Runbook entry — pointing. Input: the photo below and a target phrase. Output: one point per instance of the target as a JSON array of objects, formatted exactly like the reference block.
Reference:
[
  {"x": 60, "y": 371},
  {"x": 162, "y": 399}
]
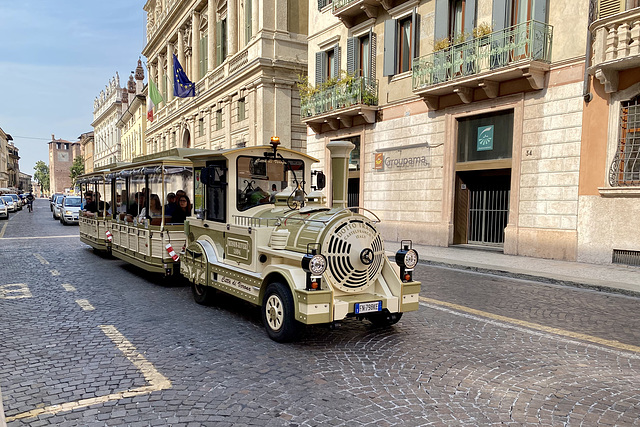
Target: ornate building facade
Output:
[
  {"x": 13, "y": 165},
  {"x": 107, "y": 109},
  {"x": 86, "y": 141},
  {"x": 244, "y": 57},
  {"x": 133, "y": 122},
  {"x": 4, "y": 156}
]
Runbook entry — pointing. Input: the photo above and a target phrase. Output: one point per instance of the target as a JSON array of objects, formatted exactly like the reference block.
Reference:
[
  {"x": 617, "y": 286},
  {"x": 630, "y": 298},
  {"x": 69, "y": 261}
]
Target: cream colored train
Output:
[{"x": 256, "y": 231}]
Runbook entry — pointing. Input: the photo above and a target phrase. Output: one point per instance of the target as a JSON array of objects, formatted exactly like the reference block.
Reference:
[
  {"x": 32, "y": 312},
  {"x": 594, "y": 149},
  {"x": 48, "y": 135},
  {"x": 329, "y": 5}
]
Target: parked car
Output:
[
  {"x": 52, "y": 200},
  {"x": 11, "y": 204},
  {"x": 70, "y": 210},
  {"x": 4, "y": 209},
  {"x": 57, "y": 206},
  {"x": 17, "y": 200}
]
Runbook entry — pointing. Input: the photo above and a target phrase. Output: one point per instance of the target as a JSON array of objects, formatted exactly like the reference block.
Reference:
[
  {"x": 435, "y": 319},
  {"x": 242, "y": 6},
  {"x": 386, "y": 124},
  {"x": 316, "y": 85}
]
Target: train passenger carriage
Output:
[
  {"x": 94, "y": 226},
  {"x": 257, "y": 233}
]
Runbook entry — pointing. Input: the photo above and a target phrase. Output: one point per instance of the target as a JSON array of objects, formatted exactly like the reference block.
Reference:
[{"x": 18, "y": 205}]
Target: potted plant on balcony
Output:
[{"x": 307, "y": 95}]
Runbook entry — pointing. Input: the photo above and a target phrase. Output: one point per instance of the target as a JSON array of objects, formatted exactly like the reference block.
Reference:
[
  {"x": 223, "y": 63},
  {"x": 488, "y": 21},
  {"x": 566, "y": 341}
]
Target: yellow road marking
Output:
[
  {"x": 156, "y": 380},
  {"x": 15, "y": 291},
  {"x": 55, "y": 272},
  {"x": 85, "y": 304},
  {"x": 575, "y": 335},
  {"x": 41, "y": 259},
  {"x": 69, "y": 288}
]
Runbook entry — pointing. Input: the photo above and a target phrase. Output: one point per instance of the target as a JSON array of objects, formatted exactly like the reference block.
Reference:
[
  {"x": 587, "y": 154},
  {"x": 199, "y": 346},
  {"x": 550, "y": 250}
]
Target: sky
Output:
[{"x": 55, "y": 58}]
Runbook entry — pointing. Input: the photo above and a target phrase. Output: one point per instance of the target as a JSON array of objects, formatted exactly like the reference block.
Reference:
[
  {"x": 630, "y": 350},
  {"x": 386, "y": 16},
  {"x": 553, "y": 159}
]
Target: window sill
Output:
[
  {"x": 619, "y": 191},
  {"x": 401, "y": 76}
]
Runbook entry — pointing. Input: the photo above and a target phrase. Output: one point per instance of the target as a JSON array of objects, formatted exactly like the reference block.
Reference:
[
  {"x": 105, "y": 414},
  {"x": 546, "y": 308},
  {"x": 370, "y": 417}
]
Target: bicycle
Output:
[{"x": 30, "y": 206}]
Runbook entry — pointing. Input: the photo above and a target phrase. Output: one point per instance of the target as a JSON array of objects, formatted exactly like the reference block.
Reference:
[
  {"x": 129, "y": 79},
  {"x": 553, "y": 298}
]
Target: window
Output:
[
  {"x": 201, "y": 127},
  {"x": 247, "y": 21},
  {"x": 485, "y": 137},
  {"x": 211, "y": 190},
  {"x": 323, "y": 3},
  {"x": 327, "y": 64},
  {"x": 219, "y": 119},
  {"x": 400, "y": 43},
  {"x": 204, "y": 54},
  {"x": 221, "y": 41},
  {"x": 241, "y": 109},
  {"x": 361, "y": 55},
  {"x": 625, "y": 168}
]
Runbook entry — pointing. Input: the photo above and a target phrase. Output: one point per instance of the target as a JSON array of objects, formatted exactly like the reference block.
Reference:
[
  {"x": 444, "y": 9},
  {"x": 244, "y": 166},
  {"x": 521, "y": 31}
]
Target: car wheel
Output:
[
  {"x": 202, "y": 294},
  {"x": 278, "y": 313},
  {"x": 384, "y": 319}
]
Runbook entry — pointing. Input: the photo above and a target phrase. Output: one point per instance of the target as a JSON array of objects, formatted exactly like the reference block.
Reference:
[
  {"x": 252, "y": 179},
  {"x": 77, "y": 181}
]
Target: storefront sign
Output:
[
  {"x": 409, "y": 157},
  {"x": 485, "y": 138}
]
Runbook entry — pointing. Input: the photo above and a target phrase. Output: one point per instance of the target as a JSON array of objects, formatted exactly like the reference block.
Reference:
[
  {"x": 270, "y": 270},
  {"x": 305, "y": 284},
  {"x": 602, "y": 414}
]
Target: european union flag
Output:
[{"x": 182, "y": 86}]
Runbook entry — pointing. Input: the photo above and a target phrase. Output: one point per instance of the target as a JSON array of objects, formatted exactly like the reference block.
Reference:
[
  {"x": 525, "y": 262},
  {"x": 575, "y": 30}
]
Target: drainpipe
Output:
[{"x": 593, "y": 9}]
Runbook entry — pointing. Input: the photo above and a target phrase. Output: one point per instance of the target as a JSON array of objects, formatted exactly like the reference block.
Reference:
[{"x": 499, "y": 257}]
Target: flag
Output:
[
  {"x": 153, "y": 99},
  {"x": 182, "y": 86}
]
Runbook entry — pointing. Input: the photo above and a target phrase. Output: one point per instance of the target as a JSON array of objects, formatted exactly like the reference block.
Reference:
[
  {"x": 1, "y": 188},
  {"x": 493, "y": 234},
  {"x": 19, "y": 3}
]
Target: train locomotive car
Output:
[{"x": 257, "y": 234}]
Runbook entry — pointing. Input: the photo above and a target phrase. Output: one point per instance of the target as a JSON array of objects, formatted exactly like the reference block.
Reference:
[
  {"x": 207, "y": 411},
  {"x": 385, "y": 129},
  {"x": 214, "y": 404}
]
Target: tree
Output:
[
  {"x": 42, "y": 175},
  {"x": 77, "y": 169}
]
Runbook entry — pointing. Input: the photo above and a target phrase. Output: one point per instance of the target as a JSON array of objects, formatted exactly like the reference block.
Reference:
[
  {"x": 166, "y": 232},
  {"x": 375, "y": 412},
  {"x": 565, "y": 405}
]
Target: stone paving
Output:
[{"x": 215, "y": 366}]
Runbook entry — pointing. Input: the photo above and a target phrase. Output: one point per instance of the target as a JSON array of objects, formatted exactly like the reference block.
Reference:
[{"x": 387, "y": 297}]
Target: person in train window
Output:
[
  {"x": 171, "y": 204},
  {"x": 183, "y": 210}
]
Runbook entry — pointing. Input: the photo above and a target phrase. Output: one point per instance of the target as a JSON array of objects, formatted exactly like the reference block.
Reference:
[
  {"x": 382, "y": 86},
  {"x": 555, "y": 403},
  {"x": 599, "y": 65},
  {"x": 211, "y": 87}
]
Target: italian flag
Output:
[{"x": 153, "y": 99}]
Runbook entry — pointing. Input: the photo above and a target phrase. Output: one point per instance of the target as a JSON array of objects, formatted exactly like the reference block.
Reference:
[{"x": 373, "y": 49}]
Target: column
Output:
[
  {"x": 195, "y": 46},
  {"x": 181, "y": 47},
  {"x": 169, "y": 72},
  {"x": 161, "y": 83},
  {"x": 232, "y": 26},
  {"x": 255, "y": 16},
  {"x": 211, "y": 28}
]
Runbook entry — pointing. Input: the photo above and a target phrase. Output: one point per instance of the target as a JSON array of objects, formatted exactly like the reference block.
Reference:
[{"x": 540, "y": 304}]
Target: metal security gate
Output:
[{"x": 488, "y": 215}]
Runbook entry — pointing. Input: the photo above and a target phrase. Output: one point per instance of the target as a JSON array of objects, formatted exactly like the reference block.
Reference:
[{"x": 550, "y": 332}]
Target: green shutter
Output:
[
  {"x": 372, "y": 57},
  {"x": 441, "y": 24},
  {"x": 219, "y": 43},
  {"x": 390, "y": 55},
  {"x": 499, "y": 17},
  {"x": 469, "y": 16},
  {"x": 540, "y": 10},
  {"x": 336, "y": 62},
  {"x": 320, "y": 64},
  {"x": 352, "y": 55},
  {"x": 247, "y": 20}
]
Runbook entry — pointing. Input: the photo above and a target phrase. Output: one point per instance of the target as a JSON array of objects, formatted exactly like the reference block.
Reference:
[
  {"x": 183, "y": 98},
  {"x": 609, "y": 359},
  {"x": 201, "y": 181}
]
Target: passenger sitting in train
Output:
[
  {"x": 183, "y": 211},
  {"x": 135, "y": 208},
  {"x": 171, "y": 204},
  {"x": 155, "y": 207},
  {"x": 90, "y": 206}
]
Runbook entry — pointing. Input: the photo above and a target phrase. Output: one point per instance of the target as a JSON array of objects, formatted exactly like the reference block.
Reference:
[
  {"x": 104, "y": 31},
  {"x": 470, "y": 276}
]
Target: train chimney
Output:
[{"x": 339, "y": 171}]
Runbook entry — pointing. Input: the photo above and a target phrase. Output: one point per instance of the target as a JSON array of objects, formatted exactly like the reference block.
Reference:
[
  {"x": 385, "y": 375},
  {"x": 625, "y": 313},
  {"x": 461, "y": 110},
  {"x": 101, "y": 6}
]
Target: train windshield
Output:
[{"x": 260, "y": 179}]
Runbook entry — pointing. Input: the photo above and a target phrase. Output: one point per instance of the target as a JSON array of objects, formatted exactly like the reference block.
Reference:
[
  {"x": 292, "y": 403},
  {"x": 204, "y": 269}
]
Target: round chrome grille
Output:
[{"x": 354, "y": 252}]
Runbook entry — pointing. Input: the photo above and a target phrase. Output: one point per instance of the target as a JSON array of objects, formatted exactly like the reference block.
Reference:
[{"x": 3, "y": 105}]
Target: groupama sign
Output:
[{"x": 417, "y": 156}]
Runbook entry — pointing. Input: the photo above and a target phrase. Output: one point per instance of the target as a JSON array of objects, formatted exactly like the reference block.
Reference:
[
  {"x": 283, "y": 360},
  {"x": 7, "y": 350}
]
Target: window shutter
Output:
[
  {"x": 321, "y": 4},
  {"x": 441, "y": 29},
  {"x": 390, "y": 35},
  {"x": 415, "y": 33},
  {"x": 540, "y": 8},
  {"x": 469, "y": 16},
  {"x": 609, "y": 7},
  {"x": 319, "y": 67},
  {"x": 218, "y": 43},
  {"x": 247, "y": 20},
  {"x": 336, "y": 63},
  {"x": 499, "y": 17},
  {"x": 372, "y": 45},
  {"x": 352, "y": 55}
]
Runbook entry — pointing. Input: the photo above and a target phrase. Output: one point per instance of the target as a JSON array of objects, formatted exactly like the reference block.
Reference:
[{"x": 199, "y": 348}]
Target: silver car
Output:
[
  {"x": 11, "y": 204},
  {"x": 16, "y": 199},
  {"x": 70, "y": 210},
  {"x": 4, "y": 209},
  {"x": 57, "y": 206}
]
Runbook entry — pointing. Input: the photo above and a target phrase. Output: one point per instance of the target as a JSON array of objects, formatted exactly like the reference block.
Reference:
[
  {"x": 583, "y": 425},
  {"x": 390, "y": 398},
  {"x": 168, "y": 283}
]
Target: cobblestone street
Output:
[{"x": 90, "y": 341}]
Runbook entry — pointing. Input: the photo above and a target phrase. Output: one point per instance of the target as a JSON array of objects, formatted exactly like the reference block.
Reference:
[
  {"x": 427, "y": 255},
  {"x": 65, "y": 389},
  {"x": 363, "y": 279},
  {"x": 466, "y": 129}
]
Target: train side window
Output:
[{"x": 214, "y": 178}]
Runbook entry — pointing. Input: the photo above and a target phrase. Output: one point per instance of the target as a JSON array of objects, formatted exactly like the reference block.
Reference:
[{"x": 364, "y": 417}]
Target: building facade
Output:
[
  {"x": 4, "y": 156},
  {"x": 244, "y": 56},
  {"x": 133, "y": 122},
  {"x": 608, "y": 204},
  {"x": 86, "y": 141},
  {"x": 24, "y": 183},
  {"x": 61, "y": 155},
  {"x": 13, "y": 166},
  {"x": 107, "y": 109},
  {"x": 466, "y": 116}
]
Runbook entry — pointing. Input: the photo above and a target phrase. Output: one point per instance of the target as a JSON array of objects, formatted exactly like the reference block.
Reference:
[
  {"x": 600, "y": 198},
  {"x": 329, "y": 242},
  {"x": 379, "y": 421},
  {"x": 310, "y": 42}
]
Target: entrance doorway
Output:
[
  {"x": 353, "y": 178},
  {"x": 482, "y": 207}
]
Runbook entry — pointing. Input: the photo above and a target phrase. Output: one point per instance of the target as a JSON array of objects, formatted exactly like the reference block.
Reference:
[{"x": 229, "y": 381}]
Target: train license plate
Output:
[{"x": 368, "y": 307}]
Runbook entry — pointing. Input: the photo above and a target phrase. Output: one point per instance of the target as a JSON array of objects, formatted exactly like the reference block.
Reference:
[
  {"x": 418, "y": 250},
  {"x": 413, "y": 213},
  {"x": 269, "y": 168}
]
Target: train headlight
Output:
[
  {"x": 407, "y": 259},
  {"x": 314, "y": 264}
]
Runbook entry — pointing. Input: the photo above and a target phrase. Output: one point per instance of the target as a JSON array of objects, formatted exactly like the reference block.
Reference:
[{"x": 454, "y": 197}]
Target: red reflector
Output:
[
  {"x": 314, "y": 285},
  {"x": 407, "y": 277}
]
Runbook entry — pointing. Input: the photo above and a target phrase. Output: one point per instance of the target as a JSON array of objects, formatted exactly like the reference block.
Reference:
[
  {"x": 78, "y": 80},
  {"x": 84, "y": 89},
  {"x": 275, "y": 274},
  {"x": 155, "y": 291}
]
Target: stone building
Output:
[
  {"x": 13, "y": 166},
  {"x": 61, "y": 155},
  {"x": 24, "y": 183},
  {"x": 244, "y": 57},
  {"x": 86, "y": 141},
  {"x": 4, "y": 156},
  {"x": 609, "y": 187},
  {"x": 466, "y": 116},
  {"x": 107, "y": 109},
  {"x": 133, "y": 122}
]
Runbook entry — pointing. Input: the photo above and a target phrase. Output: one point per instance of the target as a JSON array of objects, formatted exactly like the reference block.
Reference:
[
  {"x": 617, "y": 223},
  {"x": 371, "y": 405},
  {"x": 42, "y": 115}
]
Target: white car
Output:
[
  {"x": 70, "y": 210},
  {"x": 16, "y": 199},
  {"x": 57, "y": 206},
  {"x": 11, "y": 204},
  {"x": 4, "y": 210}
]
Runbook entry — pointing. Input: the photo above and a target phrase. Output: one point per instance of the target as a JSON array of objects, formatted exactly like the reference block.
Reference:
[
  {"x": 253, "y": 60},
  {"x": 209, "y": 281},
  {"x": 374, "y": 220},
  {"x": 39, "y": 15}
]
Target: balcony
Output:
[
  {"x": 349, "y": 102},
  {"x": 349, "y": 10},
  {"x": 616, "y": 47},
  {"x": 520, "y": 51}
]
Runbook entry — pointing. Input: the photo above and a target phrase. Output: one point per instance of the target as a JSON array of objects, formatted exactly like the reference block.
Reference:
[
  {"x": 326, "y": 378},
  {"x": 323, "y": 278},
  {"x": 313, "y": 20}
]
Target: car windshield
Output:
[
  {"x": 59, "y": 199},
  {"x": 7, "y": 199},
  {"x": 14, "y": 196},
  {"x": 72, "y": 202}
]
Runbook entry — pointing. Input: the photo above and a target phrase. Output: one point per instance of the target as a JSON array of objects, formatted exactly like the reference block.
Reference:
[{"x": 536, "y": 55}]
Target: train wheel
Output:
[
  {"x": 385, "y": 319},
  {"x": 202, "y": 294},
  {"x": 278, "y": 313}
]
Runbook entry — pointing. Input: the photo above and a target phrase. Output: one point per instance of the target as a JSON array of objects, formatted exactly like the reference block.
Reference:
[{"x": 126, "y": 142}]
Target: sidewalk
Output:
[{"x": 608, "y": 278}]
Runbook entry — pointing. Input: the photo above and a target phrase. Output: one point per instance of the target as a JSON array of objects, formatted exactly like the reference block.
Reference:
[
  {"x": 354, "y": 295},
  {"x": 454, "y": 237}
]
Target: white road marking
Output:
[
  {"x": 85, "y": 304},
  {"x": 41, "y": 259},
  {"x": 15, "y": 291},
  {"x": 69, "y": 288}
]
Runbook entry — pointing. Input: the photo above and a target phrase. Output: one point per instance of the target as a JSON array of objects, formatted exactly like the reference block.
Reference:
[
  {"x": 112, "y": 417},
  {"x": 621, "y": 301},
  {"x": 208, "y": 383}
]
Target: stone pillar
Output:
[
  {"x": 195, "y": 46},
  {"x": 232, "y": 26},
  {"x": 181, "y": 47},
  {"x": 211, "y": 28},
  {"x": 169, "y": 72},
  {"x": 255, "y": 17},
  {"x": 282, "y": 111}
]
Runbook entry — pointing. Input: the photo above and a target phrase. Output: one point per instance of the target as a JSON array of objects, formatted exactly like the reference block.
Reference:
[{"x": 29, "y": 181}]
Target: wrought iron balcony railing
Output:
[
  {"x": 344, "y": 94},
  {"x": 337, "y": 4},
  {"x": 529, "y": 41}
]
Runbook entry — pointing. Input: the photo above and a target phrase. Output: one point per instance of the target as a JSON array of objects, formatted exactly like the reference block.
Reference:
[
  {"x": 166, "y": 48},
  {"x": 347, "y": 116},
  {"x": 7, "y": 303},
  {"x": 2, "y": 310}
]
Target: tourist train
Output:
[{"x": 246, "y": 221}]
